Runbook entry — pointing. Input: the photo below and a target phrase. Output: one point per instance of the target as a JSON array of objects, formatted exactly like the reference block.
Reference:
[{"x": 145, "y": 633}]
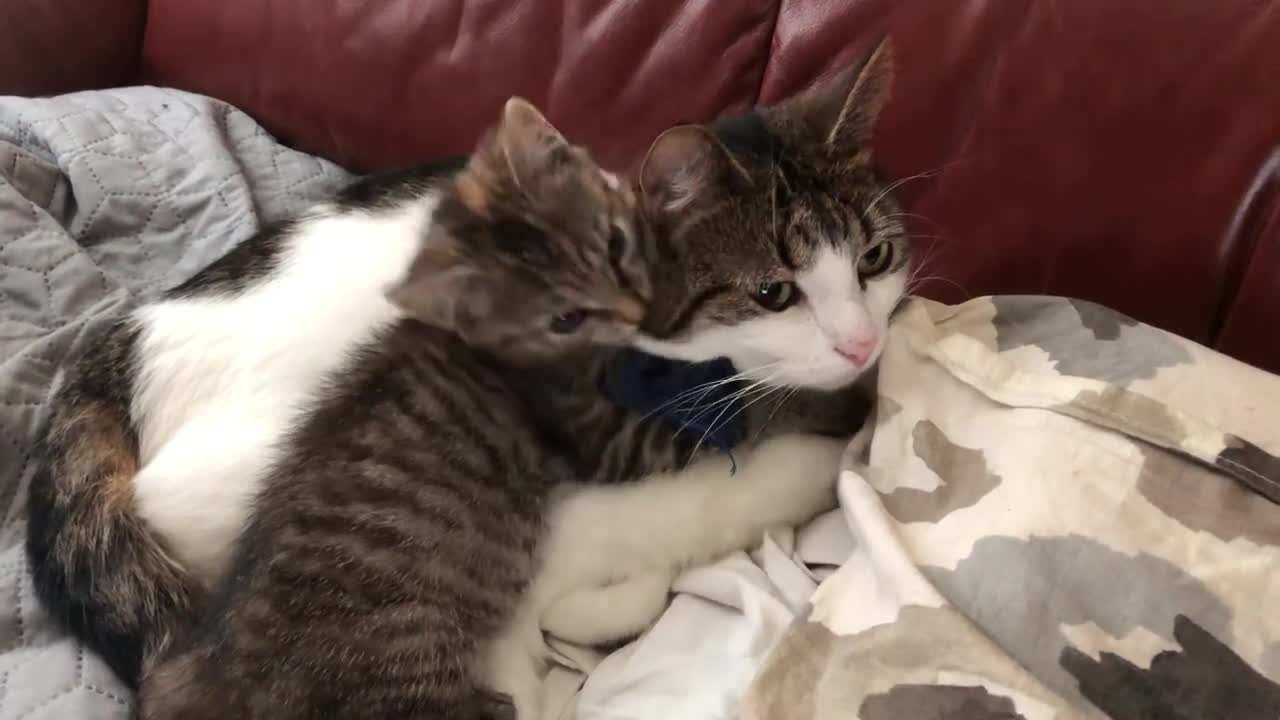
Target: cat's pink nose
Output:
[{"x": 857, "y": 349}]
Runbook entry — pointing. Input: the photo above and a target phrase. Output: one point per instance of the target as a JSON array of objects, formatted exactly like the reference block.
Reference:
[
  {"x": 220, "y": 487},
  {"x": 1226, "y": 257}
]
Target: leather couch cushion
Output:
[
  {"x": 56, "y": 46},
  {"x": 382, "y": 84},
  {"x": 1090, "y": 148}
]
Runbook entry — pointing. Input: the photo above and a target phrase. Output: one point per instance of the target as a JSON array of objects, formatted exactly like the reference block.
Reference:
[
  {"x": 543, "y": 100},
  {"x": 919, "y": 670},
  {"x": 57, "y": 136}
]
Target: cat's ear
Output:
[
  {"x": 532, "y": 147},
  {"x": 685, "y": 165},
  {"x": 442, "y": 287},
  {"x": 842, "y": 110},
  {"x": 523, "y": 150}
]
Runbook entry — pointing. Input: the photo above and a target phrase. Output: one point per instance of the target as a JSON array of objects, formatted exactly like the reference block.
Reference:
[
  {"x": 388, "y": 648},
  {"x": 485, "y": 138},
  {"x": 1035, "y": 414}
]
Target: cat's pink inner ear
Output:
[
  {"x": 531, "y": 145},
  {"x": 843, "y": 109},
  {"x": 683, "y": 164}
]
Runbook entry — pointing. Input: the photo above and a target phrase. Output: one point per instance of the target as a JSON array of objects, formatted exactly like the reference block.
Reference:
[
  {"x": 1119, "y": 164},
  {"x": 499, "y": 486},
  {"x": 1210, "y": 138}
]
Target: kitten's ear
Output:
[
  {"x": 843, "y": 109},
  {"x": 531, "y": 145},
  {"x": 523, "y": 149},
  {"x": 440, "y": 285},
  {"x": 684, "y": 165}
]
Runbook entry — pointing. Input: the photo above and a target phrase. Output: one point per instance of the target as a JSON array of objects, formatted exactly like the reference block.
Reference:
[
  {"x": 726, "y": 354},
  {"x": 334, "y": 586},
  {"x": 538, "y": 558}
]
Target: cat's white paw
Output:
[
  {"x": 785, "y": 481},
  {"x": 608, "y": 613},
  {"x": 515, "y": 664}
]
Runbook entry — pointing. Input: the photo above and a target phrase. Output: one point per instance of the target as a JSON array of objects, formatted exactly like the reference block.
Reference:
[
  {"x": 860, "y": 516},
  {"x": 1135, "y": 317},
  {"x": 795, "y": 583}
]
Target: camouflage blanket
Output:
[{"x": 1063, "y": 514}]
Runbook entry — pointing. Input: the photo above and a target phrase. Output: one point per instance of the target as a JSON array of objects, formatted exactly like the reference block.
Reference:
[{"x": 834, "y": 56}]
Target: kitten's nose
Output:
[{"x": 857, "y": 348}]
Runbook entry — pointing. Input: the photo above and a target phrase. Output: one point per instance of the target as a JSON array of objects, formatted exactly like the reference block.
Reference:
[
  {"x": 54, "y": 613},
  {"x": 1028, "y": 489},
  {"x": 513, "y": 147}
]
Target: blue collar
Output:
[{"x": 651, "y": 385}]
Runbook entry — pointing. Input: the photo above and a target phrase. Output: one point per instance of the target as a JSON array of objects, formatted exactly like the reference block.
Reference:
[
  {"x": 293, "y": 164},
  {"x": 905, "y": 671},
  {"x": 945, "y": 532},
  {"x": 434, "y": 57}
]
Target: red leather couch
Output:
[{"x": 1124, "y": 151}]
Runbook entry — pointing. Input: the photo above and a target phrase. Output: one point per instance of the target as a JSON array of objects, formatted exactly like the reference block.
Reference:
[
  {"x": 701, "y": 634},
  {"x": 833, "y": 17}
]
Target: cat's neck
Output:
[{"x": 561, "y": 399}]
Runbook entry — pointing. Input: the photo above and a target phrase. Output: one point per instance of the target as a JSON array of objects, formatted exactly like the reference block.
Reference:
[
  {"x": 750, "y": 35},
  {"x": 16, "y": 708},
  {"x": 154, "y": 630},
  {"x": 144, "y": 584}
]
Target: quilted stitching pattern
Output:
[{"x": 105, "y": 197}]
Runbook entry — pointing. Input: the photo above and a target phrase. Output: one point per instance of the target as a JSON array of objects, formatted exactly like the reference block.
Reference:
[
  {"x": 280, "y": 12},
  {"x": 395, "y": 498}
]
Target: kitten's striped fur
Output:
[{"x": 395, "y": 533}]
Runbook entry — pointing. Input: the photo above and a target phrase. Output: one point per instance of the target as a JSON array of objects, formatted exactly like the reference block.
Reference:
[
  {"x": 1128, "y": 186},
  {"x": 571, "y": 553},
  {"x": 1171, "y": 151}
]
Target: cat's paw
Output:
[
  {"x": 609, "y": 613},
  {"x": 514, "y": 666}
]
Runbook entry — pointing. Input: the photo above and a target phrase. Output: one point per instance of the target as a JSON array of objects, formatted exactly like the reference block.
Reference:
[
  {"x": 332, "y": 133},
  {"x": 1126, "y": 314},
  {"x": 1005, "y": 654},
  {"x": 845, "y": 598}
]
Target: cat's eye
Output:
[
  {"x": 568, "y": 322},
  {"x": 875, "y": 260},
  {"x": 777, "y": 296}
]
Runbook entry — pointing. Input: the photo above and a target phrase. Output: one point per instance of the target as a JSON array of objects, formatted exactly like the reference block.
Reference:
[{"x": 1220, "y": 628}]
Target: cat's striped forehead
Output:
[
  {"x": 813, "y": 199},
  {"x": 801, "y": 204},
  {"x": 561, "y": 238},
  {"x": 557, "y": 219}
]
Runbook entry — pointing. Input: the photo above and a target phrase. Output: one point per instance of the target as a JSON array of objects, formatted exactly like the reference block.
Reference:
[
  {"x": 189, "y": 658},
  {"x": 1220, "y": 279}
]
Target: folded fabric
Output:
[{"x": 1065, "y": 513}]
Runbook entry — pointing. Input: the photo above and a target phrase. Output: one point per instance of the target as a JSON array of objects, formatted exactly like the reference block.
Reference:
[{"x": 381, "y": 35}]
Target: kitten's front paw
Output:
[{"x": 610, "y": 613}]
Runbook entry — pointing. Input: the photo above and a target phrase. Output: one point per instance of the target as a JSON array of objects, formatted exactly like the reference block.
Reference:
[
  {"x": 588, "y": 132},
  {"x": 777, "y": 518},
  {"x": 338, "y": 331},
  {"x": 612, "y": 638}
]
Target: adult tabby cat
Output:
[{"x": 790, "y": 258}]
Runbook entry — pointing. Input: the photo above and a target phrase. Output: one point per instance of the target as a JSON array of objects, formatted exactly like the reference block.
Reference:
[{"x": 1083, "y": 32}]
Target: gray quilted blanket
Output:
[{"x": 105, "y": 198}]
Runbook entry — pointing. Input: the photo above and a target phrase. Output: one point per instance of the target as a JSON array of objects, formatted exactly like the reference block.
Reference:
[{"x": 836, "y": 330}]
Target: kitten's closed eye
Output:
[
  {"x": 875, "y": 260},
  {"x": 568, "y": 322}
]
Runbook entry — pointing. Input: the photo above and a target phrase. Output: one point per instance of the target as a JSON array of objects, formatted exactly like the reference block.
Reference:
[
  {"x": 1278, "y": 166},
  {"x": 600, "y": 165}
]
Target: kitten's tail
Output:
[{"x": 98, "y": 567}]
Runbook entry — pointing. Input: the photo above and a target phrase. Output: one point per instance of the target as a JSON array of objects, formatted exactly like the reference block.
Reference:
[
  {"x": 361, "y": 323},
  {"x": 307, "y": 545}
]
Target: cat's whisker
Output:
[
  {"x": 773, "y": 207},
  {"x": 772, "y": 389},
  {"x": 778, "y": 406},
  {"x": 700, "y": 411},
  {"x": 917, "y": 277},
  {"x": 902, "y": 181},
  {"x": 687, "y": 404},
  {"x": 727, "y": 402},
  {"x": 736, "y": 377},
  {"x": 927, "y": 174},
  {"x": 681, "y": 400},
  {"x": 930, "y": 254},
  {"x": 766, "y": 384},
  {"x": 917, "y": 216},
  {"x": 686, "y": 399},
  {"x": 916, "y": 281}
]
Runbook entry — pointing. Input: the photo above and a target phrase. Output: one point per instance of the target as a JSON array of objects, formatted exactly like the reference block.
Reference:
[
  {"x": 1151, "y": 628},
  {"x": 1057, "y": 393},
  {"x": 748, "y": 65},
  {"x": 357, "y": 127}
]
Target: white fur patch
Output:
[
  {"x": 610, "y": 552},
  {"x": 797, "y": 346},
  {"x": 222, "y": 378}
]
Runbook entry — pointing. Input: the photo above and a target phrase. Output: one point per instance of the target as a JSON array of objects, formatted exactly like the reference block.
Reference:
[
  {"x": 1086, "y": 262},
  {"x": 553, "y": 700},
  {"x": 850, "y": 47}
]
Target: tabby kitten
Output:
[
  {"x": 159, "y": 436},
  {"x": 395, "y": 532}
]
